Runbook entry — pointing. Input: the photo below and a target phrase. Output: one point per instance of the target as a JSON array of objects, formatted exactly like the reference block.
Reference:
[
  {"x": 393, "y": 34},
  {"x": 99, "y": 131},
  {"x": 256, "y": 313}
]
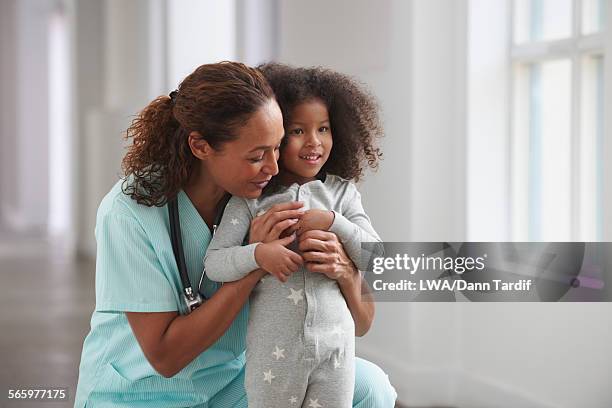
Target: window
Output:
[{"x": 557, "y": 56}]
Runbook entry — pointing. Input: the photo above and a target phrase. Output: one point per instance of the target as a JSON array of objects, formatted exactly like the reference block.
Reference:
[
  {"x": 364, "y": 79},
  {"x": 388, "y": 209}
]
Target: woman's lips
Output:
[{"x": 261, "y": 184}]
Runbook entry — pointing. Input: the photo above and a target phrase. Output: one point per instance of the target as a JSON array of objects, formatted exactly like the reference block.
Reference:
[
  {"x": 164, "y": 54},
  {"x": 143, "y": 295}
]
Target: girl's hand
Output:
[
  {"x": 313, "y": 220},
  {"x": 278, "y": 260},
  {"x": 323, "y": 253},
  {"x": 269, "y": 226}
]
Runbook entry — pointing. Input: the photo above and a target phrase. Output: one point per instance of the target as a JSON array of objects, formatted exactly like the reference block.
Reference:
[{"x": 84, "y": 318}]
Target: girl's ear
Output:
[{"x": 199, "y": 147}]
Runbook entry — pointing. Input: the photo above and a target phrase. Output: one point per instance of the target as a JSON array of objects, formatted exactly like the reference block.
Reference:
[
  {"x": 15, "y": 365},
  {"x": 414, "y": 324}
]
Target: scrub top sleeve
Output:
[
  {"x": 226, "y": 260},
  {"x": 353, "y": 226},
  {"x": 129, "y": 276}
]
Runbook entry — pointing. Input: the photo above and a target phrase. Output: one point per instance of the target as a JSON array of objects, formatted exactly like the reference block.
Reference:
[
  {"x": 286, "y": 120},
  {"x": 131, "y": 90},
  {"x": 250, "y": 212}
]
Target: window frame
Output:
[{"x": 574, "y": 48}]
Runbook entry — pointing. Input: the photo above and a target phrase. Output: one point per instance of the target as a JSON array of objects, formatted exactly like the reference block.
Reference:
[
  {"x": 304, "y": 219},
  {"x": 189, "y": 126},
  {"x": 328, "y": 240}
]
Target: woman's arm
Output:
[
  {"x": 170, "y": 342},
  {"x": 323, "y": 253},
  {"x": 358, "y": 299}
]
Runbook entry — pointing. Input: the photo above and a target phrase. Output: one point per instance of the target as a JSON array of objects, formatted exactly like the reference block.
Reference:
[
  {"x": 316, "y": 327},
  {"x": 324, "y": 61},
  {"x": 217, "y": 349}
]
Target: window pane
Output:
[
  {"x": 541, "y": 20},
  {"x": 550, "y": 158},
  {"x": 542, "y": 151},
  {"x": 520, "y": 153},
  {"x": 591, "y": 147},
  {"x": 593, "y": 16}
]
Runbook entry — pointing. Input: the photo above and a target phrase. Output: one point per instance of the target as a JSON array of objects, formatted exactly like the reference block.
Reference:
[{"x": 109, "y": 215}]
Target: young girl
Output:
[{"x": 300, "y": 338}]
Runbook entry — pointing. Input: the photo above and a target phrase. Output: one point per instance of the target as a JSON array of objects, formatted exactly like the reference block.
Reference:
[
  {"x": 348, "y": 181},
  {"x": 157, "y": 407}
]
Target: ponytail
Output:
[{"x": 159, "y": 159}]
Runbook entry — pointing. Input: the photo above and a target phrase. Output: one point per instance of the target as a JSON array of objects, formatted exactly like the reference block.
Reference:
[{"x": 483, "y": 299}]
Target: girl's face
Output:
[
  {"x": 244, "y": 166},
  {"x": 308, "y": 142}
]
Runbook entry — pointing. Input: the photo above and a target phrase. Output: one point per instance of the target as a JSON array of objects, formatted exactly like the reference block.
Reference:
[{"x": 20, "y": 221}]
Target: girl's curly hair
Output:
[
  {"x": 214, "y": 101},
  {"x": 353, "y": 113}
]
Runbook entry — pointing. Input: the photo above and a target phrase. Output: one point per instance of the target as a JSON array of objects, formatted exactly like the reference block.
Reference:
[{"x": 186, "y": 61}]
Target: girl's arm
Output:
[
  {"x": 226, "y": 260},
  {"x": 353, "y": 227}
]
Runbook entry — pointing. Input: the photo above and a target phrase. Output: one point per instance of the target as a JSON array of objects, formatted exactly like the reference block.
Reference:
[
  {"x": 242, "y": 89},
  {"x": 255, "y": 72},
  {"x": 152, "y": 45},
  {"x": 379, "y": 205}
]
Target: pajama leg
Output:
[
  {"x": 332, "y": 383},
  {"x": 277, "y": 365}
]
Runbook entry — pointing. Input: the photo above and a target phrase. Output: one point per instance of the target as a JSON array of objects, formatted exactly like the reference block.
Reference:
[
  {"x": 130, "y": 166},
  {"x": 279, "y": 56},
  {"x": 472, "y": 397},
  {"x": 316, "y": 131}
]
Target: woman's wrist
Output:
[{"x": 350, "y": 277}]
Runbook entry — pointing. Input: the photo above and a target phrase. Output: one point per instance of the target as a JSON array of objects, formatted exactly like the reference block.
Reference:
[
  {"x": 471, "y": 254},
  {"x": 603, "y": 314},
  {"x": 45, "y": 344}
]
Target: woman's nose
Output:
[{"x": 271, "y": 165}]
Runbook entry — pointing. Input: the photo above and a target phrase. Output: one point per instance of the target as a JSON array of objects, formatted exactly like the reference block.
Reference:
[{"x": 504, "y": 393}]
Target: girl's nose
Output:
[{"x": 313, "y": 140}]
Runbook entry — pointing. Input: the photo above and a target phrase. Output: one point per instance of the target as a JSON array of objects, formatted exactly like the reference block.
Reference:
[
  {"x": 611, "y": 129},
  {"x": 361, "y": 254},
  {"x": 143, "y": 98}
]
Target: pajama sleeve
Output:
[
  {"x": 352, "y": 226},
  {"x": 226, "y": 260}
]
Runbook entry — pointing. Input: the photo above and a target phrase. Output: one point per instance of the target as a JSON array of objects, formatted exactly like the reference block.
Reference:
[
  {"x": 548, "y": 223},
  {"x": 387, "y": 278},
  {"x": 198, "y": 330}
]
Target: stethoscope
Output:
[{"x": 192, "y": 298}]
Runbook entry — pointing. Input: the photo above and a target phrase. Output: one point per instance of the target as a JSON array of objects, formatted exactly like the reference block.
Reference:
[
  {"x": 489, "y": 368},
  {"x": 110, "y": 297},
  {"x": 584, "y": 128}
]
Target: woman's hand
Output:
[
  {"x": 323, "y": 253},
  {"x": 269, "y": 226}
]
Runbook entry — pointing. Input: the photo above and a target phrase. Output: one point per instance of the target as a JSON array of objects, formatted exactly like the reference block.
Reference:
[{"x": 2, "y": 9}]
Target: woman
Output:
[{"x": 218, "y": 133}]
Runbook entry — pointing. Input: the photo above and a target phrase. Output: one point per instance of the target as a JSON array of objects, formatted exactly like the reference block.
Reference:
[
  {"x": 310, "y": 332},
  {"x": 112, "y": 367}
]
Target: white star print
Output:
[
  {"x": 314, "y": 403},
  {"x": 234, "y": 221},
  {"x": 293, "y": 400},
  {"x": 337, "y": 330},
  {"x": 268, "y": 376},
  {"x": 336, "y": 362},
  {"x": 262, "y": 280},
  {"x": 296, "y": 295},
  {"x": 278, "y": 353}
]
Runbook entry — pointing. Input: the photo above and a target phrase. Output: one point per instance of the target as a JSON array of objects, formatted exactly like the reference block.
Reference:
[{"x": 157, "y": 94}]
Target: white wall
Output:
[
  {"x": 24, "y": 136},
  {"x": 8, "y": 111},
  {"x": 607, "y": 188},
  {"x": 487, "y": 121},
  {"x": 443, "y": 92}
]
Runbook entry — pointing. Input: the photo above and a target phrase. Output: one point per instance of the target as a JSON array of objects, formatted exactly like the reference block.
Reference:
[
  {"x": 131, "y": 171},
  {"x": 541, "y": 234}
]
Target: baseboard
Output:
[{"x": 420, "y": 386}]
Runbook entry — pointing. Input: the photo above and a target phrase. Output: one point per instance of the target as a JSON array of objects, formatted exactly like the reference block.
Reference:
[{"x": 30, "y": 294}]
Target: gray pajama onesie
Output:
[{"x": 301, "y": 335}]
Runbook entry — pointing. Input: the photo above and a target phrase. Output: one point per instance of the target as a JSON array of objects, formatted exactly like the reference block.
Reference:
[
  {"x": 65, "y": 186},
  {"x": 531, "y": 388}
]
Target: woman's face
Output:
[
  {"x": 244, "y": 166},
  {"x": 309, "y": 141}
]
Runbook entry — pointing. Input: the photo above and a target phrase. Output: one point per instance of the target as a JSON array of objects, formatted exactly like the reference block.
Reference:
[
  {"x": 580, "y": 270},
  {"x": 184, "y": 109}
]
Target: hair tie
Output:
[{"x": 172, "y": 96}]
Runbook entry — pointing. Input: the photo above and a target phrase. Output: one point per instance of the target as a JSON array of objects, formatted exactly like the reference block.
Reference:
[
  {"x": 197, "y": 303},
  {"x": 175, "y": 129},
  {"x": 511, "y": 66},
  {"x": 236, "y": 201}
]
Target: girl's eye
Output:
[
  {"x": 297, "y": 131},
  {"x": 323, "y": 129}
]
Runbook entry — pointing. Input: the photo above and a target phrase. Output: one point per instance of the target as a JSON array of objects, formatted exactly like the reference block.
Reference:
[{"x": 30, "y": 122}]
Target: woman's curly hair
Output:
[
  {"x": 214, "y": 101},
  {"x": 353, "y": 113}
]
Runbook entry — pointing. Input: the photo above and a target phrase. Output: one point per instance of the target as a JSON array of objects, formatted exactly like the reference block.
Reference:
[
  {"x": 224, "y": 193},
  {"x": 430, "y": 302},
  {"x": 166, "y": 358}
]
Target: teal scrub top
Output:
[{"x": 136, "y": 272}]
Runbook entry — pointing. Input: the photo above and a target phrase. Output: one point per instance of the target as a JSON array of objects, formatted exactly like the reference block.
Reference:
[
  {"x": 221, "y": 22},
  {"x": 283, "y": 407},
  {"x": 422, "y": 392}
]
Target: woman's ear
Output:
[{"x": 199, "y": 147}]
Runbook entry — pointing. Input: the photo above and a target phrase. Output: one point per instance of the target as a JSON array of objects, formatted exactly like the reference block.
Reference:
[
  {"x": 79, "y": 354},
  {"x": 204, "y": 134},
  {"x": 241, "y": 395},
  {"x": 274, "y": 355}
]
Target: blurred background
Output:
[{"x": 495, "y": 114}]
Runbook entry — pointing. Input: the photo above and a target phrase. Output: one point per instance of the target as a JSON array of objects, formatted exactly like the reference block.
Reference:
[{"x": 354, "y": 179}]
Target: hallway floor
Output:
[{"x": 45, "y": 306}]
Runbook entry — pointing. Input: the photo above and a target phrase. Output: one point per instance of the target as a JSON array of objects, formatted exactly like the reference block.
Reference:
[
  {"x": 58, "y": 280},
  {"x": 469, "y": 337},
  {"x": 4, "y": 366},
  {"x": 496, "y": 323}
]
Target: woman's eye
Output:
[{"x": 256, "y": 159}]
